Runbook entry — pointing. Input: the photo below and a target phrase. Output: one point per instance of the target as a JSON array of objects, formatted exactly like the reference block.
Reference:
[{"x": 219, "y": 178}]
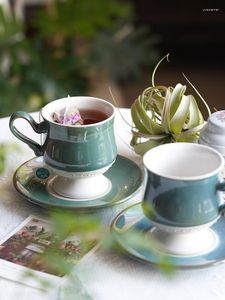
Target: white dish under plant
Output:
[{"x": 165, "y": 114}]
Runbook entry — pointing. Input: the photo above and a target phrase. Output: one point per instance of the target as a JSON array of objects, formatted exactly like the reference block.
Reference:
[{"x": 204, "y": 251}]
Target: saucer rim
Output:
[
  {"x": 143, "y": 175},
  {"x": 131, "y": 252}
]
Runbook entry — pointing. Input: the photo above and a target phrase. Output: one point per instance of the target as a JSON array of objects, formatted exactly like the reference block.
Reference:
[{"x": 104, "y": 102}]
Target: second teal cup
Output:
[{"x": 184, "y": 185}]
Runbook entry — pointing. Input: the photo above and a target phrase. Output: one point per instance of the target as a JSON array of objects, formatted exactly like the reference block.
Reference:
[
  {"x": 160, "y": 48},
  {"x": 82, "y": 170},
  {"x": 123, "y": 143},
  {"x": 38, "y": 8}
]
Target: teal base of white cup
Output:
[{"x": 184, "y": 241}]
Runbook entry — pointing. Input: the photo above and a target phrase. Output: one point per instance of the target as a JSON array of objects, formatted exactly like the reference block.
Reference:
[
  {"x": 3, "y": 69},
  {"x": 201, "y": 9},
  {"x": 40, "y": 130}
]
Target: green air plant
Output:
[{"x": 164, "y": 115}]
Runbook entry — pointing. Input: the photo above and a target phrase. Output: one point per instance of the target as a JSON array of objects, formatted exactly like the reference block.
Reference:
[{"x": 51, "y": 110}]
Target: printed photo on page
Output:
[{"x": 26, "y": 245}]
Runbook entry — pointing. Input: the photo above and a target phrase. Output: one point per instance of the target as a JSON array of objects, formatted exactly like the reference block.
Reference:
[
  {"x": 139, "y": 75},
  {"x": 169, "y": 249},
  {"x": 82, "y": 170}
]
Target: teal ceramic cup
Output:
[
  {"x": 73, "y": 150},
  {"x": 184, "y": 186}
]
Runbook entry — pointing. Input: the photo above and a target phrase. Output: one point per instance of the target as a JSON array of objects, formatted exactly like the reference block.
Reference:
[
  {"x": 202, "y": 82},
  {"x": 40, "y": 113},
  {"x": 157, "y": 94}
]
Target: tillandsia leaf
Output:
[
  {"x": 148, "y": 136},
  {"x": 200, "y": 96},
  {"x": 201, "y": 119},
  {"x": 166, "y": 112},
  {"x": 116, "y": 104},
  {"x": 136, "y": 119},
  {"x": 142, "y": 147},
  {"x": 189, "y": 132},
  {"x": 153, "y": 89},
  {"x": 156, "y": 67},
  {"x": 152, "y": 99},
  {"x": 178, "y": 120},
  {"x": 189, "y": 138},
  {"x": 176, "y": 98},
  {"x": 158, "y": 102},
  {"x": 150, "y": 125},
  {"x": 134, "y": 140},
  {"x": 195, "y": 117},
  {"x": 154, "y": 102}
]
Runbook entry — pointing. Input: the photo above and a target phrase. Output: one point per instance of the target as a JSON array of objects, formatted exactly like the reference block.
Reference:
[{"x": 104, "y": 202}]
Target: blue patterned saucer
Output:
[
  {"x": 133, "y": 220},
  {"x": 33, "y": 177}
]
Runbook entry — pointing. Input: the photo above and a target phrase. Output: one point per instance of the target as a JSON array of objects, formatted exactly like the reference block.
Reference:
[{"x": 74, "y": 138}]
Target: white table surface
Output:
[{"x": 105, "y": 275}]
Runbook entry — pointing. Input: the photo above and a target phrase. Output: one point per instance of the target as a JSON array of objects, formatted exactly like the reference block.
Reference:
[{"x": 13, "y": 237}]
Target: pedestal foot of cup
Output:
[
  {"x": 79, "y": 188},
  {"x": 189, "y": 243}
]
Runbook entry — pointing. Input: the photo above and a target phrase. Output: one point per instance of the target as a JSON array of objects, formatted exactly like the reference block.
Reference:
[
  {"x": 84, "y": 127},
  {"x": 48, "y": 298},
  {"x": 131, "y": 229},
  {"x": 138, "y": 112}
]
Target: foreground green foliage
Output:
[{"x": 4, "y": 150}]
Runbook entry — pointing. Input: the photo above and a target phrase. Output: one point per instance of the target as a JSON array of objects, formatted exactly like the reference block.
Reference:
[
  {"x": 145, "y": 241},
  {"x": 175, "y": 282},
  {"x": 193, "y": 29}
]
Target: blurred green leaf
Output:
[
  {"x": 123, "y": 53},
  {"x": 81, "y": 18},
  {"x": 62, "y": 49}
]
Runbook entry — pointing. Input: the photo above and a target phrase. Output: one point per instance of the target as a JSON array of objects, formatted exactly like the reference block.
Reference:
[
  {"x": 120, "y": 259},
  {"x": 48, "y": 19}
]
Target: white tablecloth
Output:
[{"x": 105, "y": 275}]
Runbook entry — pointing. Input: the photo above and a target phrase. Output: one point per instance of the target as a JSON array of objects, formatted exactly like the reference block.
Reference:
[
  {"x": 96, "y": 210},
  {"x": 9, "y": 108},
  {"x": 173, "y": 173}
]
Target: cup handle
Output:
[
  {"x": 221, "y": 187},
  {"x": 37, "y": 127}
]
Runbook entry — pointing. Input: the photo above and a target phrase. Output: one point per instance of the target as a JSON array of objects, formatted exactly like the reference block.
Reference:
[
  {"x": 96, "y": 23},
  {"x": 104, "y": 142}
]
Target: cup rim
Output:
[
  {"x": 79, "y": 126},
  {"x": 217, "y": 170}
]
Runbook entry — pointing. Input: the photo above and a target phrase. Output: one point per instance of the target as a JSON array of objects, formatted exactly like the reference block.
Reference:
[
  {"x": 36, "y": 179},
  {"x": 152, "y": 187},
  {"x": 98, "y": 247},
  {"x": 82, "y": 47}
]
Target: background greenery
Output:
[{"x": 55, "y": 52}]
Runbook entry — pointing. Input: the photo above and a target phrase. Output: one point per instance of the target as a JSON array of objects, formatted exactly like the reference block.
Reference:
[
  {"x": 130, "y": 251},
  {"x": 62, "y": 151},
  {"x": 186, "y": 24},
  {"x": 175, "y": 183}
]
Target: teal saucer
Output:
[
  {"x": 31, "y": 180},
  {"x": 132, "y": 220}
]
